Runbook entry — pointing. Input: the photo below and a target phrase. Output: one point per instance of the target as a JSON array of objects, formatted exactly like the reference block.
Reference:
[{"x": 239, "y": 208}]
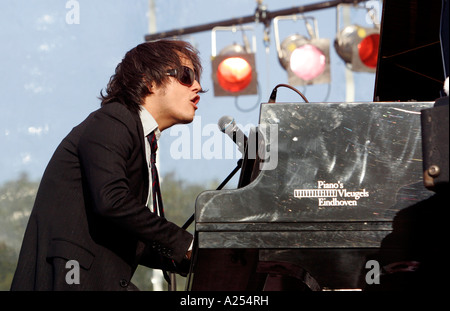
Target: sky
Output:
[{"x": 58, "y": 55}]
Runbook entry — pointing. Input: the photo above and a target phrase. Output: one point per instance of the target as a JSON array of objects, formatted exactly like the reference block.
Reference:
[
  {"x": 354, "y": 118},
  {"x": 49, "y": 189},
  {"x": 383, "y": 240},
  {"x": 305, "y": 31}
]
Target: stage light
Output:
[
  {"x": 234, "y": 70},
  {"x": 306, "y": 60},
  {"x": 234, "y": 74},
  {"x": 358, "y": 46}
]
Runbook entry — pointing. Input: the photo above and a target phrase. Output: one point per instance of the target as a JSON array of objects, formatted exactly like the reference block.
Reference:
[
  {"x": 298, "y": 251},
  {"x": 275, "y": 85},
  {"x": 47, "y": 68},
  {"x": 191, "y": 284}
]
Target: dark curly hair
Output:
[{"x": 143, "y": 65}]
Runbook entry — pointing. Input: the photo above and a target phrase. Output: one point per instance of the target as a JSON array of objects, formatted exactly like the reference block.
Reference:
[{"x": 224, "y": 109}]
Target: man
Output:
[{"x": 95, "y": 208}]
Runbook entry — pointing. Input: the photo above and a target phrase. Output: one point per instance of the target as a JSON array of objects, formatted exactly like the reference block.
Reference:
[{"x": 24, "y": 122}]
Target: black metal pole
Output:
[
  {"x": 238, "y": 166},
  {"x": 262, "y": 16}
]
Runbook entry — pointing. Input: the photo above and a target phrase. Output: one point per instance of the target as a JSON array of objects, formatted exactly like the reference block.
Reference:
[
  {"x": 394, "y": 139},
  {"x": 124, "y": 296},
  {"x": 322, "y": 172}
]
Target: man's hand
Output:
[{"x": 189, "y": 254}]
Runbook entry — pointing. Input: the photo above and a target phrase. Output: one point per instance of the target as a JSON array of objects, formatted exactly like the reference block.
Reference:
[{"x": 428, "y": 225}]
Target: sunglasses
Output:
[{"x": 184, "y": 75}]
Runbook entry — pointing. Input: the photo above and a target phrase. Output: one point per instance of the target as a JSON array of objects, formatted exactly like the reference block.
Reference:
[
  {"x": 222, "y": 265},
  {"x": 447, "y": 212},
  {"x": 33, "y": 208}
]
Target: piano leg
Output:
[
  {"x": 284, "y": 276},
  {"x": 224, "y": 270},
  {"x": 242, "y": 270}
]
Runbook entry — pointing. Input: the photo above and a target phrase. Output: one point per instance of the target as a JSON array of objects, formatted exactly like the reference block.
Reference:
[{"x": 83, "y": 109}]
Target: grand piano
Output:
[{"x": 330, "y": 197}]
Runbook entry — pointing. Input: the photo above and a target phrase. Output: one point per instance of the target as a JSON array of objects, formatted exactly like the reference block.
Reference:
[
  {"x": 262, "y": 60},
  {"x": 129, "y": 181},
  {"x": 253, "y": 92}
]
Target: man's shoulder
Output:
[
  {"x": 115, "y": 107},
  {"x": 119, "y": 111}
]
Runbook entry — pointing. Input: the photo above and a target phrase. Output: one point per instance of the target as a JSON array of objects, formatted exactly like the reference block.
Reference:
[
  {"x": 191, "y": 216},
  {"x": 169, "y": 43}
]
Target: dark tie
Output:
[{"x": 156, "y": 191}]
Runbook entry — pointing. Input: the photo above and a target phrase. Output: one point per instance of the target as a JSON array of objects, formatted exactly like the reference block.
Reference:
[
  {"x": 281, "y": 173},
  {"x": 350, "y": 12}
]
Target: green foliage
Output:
[
  {"x": 8, "y": 259},
  {"x": 16, "y": 202},
  {"x": 179, "y": 199}
]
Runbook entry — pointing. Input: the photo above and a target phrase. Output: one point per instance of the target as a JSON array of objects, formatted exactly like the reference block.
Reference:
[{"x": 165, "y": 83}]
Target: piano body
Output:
[
  {"x": 315, "y": 202},
  {"x": 329, "y": 190}
]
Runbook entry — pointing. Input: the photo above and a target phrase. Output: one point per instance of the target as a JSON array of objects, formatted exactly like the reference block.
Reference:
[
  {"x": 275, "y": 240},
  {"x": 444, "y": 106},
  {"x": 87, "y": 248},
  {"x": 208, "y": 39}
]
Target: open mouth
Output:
[{"x": 195, "y": 101}]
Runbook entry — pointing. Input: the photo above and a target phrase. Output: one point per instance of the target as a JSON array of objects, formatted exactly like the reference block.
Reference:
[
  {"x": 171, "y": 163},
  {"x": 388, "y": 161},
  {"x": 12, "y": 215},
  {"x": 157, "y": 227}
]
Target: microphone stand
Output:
[{"x": 238, "y": 166}]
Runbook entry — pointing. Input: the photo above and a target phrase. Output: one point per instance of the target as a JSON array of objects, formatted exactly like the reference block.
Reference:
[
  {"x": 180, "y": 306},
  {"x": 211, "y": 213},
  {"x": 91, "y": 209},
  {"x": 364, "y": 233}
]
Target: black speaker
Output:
[
  {"x": 410, "y": 58},
  {"x": 434, "y": 123}
]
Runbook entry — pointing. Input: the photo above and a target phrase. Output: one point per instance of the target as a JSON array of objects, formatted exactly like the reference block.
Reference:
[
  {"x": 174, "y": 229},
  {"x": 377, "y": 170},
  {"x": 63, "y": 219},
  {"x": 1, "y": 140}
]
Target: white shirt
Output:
[{"x": 149, "y": 125}]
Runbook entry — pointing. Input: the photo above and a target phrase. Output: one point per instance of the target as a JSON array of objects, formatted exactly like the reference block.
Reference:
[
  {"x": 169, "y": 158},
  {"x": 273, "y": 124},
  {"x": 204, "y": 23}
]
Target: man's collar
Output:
[{"x": 148, "y": 123}]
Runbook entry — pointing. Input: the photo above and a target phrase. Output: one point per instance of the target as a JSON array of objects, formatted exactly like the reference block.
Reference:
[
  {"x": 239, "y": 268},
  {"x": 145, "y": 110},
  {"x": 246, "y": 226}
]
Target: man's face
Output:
[{"x": 175, "y": 103}]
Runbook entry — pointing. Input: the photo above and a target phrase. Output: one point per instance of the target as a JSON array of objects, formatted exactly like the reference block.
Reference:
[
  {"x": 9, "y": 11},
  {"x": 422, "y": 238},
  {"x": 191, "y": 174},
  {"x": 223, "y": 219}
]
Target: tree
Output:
[
  {"x": 8, "y": 258},
  {"x": 16, "y": 202}
]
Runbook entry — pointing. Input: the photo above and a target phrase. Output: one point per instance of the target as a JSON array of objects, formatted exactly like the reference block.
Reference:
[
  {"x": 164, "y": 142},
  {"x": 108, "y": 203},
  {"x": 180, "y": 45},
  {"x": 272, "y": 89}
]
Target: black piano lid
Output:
[{"x": 331, "y": 166}]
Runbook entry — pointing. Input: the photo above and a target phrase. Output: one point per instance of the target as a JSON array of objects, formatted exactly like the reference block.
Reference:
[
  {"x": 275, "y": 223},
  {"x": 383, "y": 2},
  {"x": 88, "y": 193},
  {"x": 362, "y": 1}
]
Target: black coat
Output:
[{"x": 91, "y": 207}]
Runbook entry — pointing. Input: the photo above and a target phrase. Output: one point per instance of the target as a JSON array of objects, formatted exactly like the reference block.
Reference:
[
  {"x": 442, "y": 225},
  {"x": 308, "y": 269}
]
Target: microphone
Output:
[{"x": 228, "y": 126}]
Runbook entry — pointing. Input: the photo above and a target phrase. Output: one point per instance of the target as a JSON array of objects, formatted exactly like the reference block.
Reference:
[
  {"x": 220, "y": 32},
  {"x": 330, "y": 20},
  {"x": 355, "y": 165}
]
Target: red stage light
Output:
[
  {"x": 234, "y": 74},
  {"x": 368, "y": 50},
  {"x": 358, "y": 46}
]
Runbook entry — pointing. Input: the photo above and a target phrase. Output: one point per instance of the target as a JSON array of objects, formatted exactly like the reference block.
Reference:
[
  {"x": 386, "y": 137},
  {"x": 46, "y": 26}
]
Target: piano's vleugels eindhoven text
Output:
[{"x": 332, "y": 194}]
